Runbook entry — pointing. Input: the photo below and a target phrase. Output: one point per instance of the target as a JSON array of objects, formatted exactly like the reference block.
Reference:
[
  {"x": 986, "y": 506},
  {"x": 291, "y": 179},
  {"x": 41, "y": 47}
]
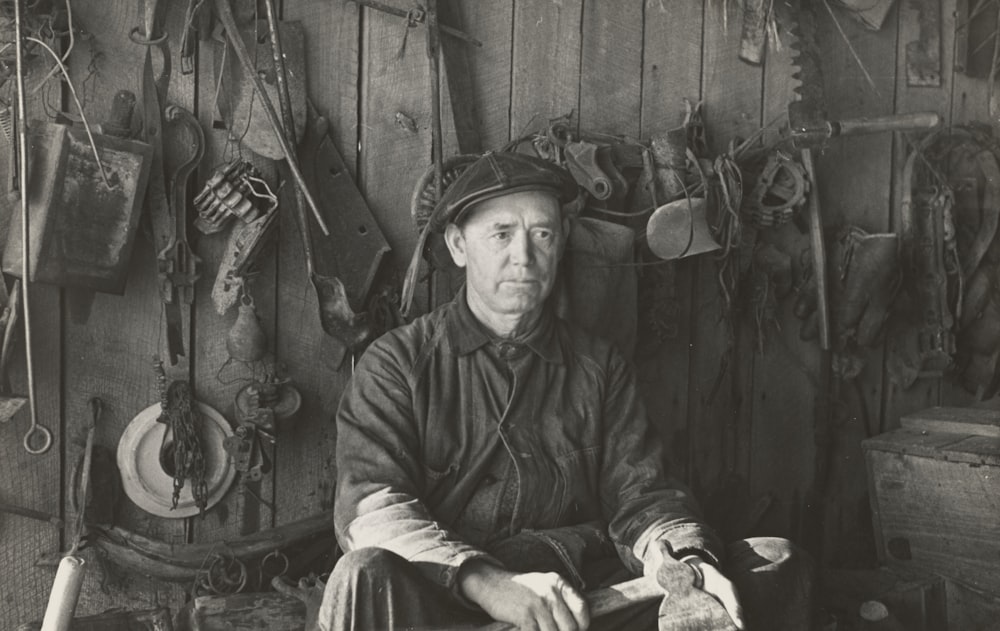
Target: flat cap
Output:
[{"x": 496, "y": 174}]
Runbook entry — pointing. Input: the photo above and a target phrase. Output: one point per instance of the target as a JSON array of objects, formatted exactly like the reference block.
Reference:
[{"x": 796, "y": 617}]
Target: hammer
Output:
[{"x": 683, "y": 607}]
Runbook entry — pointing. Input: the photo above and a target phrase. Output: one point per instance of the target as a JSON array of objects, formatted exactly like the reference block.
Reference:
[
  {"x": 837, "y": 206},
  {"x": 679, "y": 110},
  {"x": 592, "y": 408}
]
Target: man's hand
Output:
[
  {"x": 534, "y": 601},
  {"x": 713, "y": 582}
]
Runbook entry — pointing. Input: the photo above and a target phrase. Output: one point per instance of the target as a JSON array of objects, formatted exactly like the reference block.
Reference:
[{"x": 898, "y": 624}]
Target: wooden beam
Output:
[{"x": 545, "y": 74}]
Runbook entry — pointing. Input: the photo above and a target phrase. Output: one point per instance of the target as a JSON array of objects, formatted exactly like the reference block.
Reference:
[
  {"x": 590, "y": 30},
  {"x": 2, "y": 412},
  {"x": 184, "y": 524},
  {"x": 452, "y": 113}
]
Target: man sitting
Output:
[{"x": 494, "y": 461}]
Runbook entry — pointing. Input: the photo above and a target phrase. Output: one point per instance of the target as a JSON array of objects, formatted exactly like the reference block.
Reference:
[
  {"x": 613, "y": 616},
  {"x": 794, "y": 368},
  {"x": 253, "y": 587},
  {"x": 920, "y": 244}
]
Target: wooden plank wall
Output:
[{"x": 737, "y": 416}]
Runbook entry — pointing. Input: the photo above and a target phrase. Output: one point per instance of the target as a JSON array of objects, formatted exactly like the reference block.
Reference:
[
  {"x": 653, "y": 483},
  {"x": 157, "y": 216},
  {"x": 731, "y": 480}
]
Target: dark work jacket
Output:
[{"x": 433, "y": 406}]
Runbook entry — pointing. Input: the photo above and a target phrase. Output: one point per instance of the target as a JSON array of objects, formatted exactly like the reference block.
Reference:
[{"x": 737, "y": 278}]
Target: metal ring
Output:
[
  {"x": 226, "y": 582},
  {"x": 136, "y": 36},
  {"x": 46, "y": 439},
  {"x": 275, "y": 554}
]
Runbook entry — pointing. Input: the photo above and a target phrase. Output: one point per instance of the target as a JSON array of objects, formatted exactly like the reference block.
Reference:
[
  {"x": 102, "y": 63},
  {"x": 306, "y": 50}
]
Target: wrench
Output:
[{"x": 179, "y": 263}]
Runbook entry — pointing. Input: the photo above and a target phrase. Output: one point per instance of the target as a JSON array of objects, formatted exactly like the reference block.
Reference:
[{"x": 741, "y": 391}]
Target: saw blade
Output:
[{"x": 806, "y": 56}]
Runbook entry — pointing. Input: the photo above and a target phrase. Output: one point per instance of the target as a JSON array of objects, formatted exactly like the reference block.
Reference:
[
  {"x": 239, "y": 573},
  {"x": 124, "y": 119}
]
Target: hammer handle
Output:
[
  {"x": 607, "y": 599},
  {"x": 890, "y": 122}
]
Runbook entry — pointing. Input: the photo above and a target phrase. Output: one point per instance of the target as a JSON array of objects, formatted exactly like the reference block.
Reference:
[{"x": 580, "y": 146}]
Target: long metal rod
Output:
[{"x": 23, "y": 178}]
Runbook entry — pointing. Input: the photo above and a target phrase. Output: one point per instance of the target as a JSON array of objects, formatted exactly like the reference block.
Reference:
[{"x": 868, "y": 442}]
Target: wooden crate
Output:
[{"x": 935, "y": 494}]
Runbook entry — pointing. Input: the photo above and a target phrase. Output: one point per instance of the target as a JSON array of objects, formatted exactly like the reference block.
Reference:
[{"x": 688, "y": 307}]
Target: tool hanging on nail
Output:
[
  {"x": 230, "y": 192},
  {"x": 154, "y": 96},
  {"x": 178, "y": 263},
  {"x": 35, "y": 428}
]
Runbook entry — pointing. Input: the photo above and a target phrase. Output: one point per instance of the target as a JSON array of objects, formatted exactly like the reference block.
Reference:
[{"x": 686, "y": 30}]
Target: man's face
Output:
[{"x": 510, "y": 246}]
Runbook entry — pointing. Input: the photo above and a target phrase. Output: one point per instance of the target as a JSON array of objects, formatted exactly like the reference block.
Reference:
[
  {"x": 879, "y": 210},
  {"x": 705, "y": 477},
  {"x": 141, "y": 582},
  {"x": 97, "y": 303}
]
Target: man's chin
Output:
[{"x": 521, "y": 309}]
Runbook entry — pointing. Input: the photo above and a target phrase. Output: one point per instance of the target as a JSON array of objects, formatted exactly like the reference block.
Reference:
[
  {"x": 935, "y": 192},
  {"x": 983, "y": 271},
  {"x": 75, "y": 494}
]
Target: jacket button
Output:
[{"x": 489, "y": 480}]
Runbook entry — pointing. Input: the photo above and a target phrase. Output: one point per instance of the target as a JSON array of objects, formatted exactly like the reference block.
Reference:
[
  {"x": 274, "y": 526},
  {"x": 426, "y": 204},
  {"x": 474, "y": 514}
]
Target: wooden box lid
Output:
[{"x": 955, "y": 434}]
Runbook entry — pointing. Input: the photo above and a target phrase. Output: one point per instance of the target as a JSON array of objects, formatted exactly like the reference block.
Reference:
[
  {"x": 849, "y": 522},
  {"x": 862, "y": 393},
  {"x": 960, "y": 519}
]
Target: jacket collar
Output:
[{"x": 466, "y": 334}]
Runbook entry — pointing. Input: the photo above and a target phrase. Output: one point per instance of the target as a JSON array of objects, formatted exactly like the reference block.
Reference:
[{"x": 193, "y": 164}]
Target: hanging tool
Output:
[
  {"x": 225, "y": 14},
  {"x": 356, "y": 247},
  {"x": 337, "y": 318},
  {"x": 154, "y": 96},
  {"x": 177, "y": 261},
  {"x": 245, "y": 243},
  {"x": 22, "y": 127},
  {"x": 246, "y": 341},
  {"x": 228, "y": 193}
]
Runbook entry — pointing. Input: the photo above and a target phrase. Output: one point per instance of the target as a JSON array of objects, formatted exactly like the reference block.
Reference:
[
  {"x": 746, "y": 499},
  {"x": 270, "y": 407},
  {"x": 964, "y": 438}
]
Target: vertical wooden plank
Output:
[
  {"x": 611, "y": 67},
  {"x": 719, "y": 374},
  {"x": 395, "y": 124},
  {"x": 305, "y": 467},
  {"x": 671, "y": 71},
  {"x": 110, "y": 355},
  {"x": 671, "y": 60},
  {"x": 855, "y": 179},
  {"x": 545, "y": 75},
  {"x": 926, "y": 391},
  {"x": 489, "y": 67},
  {"x": 331, "y": 44}
]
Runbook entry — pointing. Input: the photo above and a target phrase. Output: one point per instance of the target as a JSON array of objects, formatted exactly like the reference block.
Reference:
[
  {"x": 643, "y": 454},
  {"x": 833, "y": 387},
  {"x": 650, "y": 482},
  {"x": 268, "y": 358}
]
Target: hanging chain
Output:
[{"x": 183, "y": 449}]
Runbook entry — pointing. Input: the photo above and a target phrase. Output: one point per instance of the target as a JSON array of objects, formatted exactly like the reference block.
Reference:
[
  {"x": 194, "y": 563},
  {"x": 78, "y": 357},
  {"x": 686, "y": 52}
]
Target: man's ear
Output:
[{"x": 455, "y": 241}]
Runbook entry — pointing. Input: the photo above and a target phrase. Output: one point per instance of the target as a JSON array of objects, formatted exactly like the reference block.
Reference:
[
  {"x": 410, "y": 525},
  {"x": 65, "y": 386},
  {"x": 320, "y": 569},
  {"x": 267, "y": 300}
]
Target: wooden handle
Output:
[
  {"x": 606, "y": 599},
  {"x": 64, "y": 595},
  {"x": 891, "y": 122},
  {"x": 817, "y": 245}
]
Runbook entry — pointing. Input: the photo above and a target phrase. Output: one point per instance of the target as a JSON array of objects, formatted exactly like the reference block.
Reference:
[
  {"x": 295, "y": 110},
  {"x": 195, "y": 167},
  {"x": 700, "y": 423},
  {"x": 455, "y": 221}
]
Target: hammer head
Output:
[{"x": 686, "y": 607}]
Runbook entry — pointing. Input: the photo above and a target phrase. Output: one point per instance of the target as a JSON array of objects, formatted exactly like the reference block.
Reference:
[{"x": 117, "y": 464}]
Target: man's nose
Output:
[{"x": 522, "y": 250}]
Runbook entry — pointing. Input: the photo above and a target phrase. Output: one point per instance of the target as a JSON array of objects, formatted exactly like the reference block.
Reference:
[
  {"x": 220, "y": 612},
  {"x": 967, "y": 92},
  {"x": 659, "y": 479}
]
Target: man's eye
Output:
[
  {"x": 544, "y": 235},
  {"x": 501, "y": 236}
]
